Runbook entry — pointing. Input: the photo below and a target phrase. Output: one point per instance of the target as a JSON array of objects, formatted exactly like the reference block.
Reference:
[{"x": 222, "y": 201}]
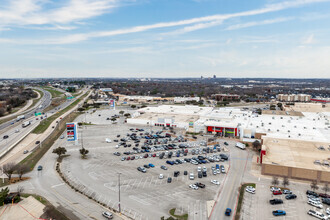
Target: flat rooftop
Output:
[{"x": 296, "y": 153}]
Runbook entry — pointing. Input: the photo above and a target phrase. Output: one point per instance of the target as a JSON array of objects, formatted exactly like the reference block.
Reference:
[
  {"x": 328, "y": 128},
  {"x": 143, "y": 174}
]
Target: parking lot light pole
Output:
[{"x": 119, "y": 193}]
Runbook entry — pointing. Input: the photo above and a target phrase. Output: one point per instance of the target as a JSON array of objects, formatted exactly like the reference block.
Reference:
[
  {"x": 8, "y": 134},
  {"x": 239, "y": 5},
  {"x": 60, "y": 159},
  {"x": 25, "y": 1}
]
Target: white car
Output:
[
  {"x": 327, "y": 211},
  {"x": 199, "y": 169},
  {"x": 204, "y": 169},
  {"x": 218, "y": 171},
  {"x": 250, "y": 189},
  {"x": 161, "y": 176},
  {"x": 17, "y": 130},
  {"x": 275, "y": 189},
  {"x": 107, "y": 215},
  {"x": 108, "y": 140},
  {"x": 216, "y": 182},
  {"x": 193, "y": 186}
]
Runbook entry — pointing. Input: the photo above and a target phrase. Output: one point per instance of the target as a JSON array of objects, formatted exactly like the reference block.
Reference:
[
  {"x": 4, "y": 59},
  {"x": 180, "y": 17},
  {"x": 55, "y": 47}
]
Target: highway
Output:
[
  {"x": 45, "y": 101},
  {"x": 15, "y": 131},
  {"x": 229, "y": 192}
]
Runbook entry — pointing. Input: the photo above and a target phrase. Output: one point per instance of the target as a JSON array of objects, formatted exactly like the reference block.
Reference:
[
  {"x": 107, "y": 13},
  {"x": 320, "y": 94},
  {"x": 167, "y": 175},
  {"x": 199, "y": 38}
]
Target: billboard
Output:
[{"x": 71, "y": 131}]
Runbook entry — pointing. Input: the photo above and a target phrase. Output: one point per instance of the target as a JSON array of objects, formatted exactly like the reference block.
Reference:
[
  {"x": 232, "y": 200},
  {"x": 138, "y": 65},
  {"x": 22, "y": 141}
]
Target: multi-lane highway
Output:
[
  {"x": 16, "y": 132},
  {"x": 44, "y": 102}
]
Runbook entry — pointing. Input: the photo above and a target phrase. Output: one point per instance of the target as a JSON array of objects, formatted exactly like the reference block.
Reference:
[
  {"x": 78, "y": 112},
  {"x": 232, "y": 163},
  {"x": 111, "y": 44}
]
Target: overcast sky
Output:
[{"x": 165, "y": 38}]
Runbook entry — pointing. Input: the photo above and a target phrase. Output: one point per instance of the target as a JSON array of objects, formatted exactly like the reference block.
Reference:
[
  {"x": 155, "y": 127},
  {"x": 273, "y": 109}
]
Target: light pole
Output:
[{"x": 119, "y": 193}]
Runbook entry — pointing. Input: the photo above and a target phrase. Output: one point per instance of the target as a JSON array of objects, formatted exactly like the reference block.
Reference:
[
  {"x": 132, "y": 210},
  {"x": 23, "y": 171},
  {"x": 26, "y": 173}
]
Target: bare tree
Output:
[
  {"x": 20, "y": 189},
  {"x": 275, "y": 181},
  {"x": 21, "y": 170},
  {"x": 256, "y": 145},
  {"x": 285, "y": 181},
  {"x": 9, "y": 169},
  {"x": 326, "y": 188},
  {"x": 314, "y": 185},
  {"x": 83, "y": 152}
]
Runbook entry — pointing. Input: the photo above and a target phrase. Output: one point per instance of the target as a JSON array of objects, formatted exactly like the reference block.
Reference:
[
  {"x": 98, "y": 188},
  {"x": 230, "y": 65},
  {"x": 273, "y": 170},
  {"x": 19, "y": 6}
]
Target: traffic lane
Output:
[
  {"x": 228, "y": 196},
  {"x": 44, "y": 101}
]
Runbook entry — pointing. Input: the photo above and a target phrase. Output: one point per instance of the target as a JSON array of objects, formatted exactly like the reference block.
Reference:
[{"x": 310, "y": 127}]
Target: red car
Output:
[
  {"x": 154, "y": 155},
  {"x": 323, "y": 195},
  {"x": 128, "y": 158},
  {"x": 277, "y": 193}
]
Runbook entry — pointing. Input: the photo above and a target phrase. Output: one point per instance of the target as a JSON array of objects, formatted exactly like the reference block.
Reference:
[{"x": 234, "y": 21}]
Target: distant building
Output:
[
  {"x": 214, "y": 76},
  {"x": 185, "y": 99},
  {"x": 226, "y": 97},
  {"x": 109, "y": 90},
  {"x": 294, "y": 97}
]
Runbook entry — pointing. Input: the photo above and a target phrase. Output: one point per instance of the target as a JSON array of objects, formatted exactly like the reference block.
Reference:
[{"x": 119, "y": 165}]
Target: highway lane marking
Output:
[{"x": 61, "y": 184}]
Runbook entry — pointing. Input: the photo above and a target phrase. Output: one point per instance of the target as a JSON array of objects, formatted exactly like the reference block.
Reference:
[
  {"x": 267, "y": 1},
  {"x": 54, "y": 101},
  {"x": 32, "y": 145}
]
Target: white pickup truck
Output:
[{"x": 240, "y": 145}]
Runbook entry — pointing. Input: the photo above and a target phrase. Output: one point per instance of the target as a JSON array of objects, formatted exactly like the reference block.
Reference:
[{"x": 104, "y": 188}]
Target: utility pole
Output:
[{"x": 119, "y": 193}]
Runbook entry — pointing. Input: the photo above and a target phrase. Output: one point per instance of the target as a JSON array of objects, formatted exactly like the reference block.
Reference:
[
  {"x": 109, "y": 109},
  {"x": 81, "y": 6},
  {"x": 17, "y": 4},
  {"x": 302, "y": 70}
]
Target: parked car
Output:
[
  {"x": 316, "y": 214},
  {"x": 5, "y": 136},
  {"x": 161, "y": 176},
  {"x": 151, "y": 165},
  {"x": 169, "y": 180},
  {"x": 200, "y": 185},
  {"x": 193, "y": 186},
  {"x": 216, "y": 182},
  {"x": 163, "y": 167},
  {"x": 37, "y": 142},
  {"x": 279, "y": 213},
  {"x": 39, "y": 167},
  {"x": 277, "y": 193},
  {"x": 25, "y": 152},
  {"x": 250, "y": 189},
  {"x": 287, "y": 191},
  {"x": 275, "y": 201},
  {"x": 290, "y": 196},
  {"x": 275, "y": 189},
  {"x": 176, "y": 173},
  {"x": 107, "y": 215},
  {"x": 308, "y": 192}
]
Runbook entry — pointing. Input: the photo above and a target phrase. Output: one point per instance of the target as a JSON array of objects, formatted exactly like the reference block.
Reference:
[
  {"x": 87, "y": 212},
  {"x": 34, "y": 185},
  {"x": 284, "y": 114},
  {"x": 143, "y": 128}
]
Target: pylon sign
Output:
[
  {"x": 71, "y": 131},
  {"x": 112, "y": 103}
]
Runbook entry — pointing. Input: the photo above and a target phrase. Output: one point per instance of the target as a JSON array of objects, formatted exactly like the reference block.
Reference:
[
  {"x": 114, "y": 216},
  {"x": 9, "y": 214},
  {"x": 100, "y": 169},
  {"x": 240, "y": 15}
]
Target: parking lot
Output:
[
  {"x": 257, "y": 206},
  {"x": 143, "y": 195}
]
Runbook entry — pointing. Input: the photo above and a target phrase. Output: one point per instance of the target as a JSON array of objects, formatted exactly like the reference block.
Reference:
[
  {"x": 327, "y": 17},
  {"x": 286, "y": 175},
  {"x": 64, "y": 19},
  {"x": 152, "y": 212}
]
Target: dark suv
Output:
[
  {"x": 176, "y": 173},
  {"x": 308, "y": 192},
  {"x": 275, "y": 201}
]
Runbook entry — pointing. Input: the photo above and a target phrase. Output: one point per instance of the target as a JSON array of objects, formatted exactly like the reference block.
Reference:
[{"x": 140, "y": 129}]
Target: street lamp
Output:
[{"x": 119, "y": 192}]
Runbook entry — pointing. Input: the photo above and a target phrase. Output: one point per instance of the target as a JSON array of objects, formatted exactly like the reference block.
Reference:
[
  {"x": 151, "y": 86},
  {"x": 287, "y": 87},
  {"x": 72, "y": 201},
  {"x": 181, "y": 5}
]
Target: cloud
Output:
[
  {"x": 257, "y": 23},
  {"x": 308, "y": 40},
  {"x": 82, "y": 9},
  {"x": 35, "y": 12}
]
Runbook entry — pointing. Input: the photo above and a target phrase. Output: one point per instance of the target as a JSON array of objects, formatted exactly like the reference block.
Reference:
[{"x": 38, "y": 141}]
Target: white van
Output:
[
  {"x": 240, "y": 145},
  {"x": 315, "y": 204},
  {"x": 316, "y": 214}
]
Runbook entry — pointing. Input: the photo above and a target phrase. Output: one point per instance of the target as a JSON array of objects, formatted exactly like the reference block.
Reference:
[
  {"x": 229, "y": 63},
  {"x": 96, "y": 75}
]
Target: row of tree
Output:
[
  {"x": 60, "y": 151},
  {"x": 314, "y": 184},
  {"x": 10, "y": 168}
]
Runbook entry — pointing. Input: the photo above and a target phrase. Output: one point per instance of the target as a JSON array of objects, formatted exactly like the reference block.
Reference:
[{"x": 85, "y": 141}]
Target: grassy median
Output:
[
  {"x": 45, "y": 123},
  {"x": 53, "y": 91},
  {"x": 38, "y": 153},
  {"x": 240, "y": 198}
]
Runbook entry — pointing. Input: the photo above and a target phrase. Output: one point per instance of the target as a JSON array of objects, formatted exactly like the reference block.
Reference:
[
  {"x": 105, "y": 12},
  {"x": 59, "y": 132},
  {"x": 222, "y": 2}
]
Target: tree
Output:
[
  {"x": 9, "y": 169},
  {"x": 59, "y": 151},
  {"x": 275, "y": 181},
  {"x": 256, "y": 145},
  {"x": 3, "y": 194},
  {"x": 314, "y": 185},
  {"x": 83, "y": 152},
  {"x": 121, "y": 112},
  {"x": 21, "y": 170},
  {"x": 285, "y": 181},
  {"x": 326, "y": 188}
]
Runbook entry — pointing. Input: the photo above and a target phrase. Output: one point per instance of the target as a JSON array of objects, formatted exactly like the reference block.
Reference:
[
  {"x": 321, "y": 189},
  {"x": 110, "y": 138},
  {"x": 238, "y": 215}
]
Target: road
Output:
[
  {"x": 229, "y": 192},
  {"x": 44, "y": 102},
  {"x": 15, "y": 132}
]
